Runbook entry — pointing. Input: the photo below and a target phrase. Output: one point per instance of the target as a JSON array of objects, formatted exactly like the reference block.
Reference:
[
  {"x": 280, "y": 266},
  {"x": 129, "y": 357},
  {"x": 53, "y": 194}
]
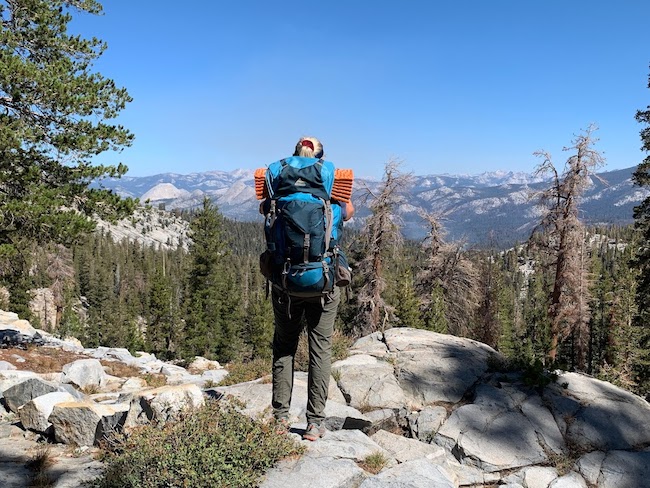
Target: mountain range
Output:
[{"x": 499, "y": 207}]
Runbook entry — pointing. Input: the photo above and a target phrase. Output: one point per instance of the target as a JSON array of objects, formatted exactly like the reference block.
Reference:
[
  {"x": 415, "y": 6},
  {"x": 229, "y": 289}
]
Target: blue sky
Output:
[{"x": 446, "y": 87}]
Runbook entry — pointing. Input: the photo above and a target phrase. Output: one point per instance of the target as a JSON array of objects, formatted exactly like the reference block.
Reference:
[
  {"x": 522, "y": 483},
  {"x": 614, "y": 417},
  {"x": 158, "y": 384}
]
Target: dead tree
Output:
[
  {"x": 448, "y": 268},
  {"x": 562, "y": 236},
  {"x": 380, "y": 236}
]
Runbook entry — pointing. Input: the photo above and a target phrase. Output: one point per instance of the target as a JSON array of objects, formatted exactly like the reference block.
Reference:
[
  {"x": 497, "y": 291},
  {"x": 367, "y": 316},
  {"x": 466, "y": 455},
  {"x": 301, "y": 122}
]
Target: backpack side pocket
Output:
[
  {"x": 342, "y": 272},
  {"x": 266, "y": 264}
]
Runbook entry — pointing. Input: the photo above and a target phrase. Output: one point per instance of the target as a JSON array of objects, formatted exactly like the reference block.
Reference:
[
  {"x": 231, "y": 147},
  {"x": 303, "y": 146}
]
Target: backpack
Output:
[{"x": 302, "y": 227}]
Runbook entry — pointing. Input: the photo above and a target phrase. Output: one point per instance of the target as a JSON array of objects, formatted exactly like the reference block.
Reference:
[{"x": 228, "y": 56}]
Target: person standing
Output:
[{"x": 306, "y": 277}]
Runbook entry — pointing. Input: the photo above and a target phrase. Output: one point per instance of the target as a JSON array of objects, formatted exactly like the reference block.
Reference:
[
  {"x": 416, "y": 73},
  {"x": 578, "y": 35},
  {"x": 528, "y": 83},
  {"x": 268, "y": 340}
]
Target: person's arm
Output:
[{"x": 348, "y": 210}]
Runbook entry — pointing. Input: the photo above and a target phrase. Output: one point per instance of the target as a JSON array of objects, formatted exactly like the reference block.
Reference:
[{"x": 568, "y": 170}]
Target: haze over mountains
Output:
[{"x": 499, "y": 206}]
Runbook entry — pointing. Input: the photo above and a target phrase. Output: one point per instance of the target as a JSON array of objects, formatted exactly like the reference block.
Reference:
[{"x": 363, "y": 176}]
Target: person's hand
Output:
[{"x": 349, "y": 210}]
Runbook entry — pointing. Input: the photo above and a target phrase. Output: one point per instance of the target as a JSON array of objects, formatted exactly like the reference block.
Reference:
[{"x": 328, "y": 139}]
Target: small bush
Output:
[
  {"x": 374, "y": 463},
  {"x": 39, "y": 464},
  {"x": 536, "y": 375},
  {"x": 340, "y": 345},
  {"x": 240, "y": 372},
  {"x": 121, "y": 370},
  {"x": 214, "y": 446},
  {"x": 155, "y": 380},
  {"x": 91, "y": 389}
]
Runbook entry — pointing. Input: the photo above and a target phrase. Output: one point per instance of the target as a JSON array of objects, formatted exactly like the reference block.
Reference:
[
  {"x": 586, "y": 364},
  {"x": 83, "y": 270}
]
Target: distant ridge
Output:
[{"x": 496, "y": 206}]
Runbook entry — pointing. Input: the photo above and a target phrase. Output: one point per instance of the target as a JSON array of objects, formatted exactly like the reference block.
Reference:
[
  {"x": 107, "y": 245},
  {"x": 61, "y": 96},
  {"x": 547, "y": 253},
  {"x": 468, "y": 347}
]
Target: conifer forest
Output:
[{"x": 571, "y": 296}]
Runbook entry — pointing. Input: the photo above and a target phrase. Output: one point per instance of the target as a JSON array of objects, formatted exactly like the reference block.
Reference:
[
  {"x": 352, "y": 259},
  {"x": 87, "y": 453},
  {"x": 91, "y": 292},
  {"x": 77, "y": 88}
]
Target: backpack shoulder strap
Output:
[{"x": 329, "y": 219}]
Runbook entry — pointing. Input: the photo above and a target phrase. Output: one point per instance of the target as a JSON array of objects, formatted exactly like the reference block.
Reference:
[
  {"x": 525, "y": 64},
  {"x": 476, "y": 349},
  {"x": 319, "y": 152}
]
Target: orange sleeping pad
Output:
[
  {"x": 260, "y": 184},
  {"x": 341, "y": 190}
]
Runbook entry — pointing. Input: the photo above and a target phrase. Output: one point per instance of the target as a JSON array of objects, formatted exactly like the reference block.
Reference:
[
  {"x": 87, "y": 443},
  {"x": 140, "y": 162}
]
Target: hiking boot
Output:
[
  {"x": 282, "y": 425},
  {"x": 313, "y": 432}
]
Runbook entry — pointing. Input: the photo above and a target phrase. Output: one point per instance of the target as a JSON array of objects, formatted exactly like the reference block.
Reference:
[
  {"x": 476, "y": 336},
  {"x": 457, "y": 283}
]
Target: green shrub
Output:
[
  {"x": 242, "y": 371},
  {"x": 214, "y": 446},
  {"x": 374, "y": 463}
]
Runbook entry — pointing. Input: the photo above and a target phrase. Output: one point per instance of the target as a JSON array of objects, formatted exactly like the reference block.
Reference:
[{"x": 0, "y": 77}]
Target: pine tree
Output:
[
  {"x": 434, "y": 314},
  {"x": 54, "y": 118},
  {"x": 641, "y": 177},
  {"x": 258, "y": 315},
  {"x": 212, "y": 307},
  {"x": 407, "y": 309},
  {"x": 163, "y": 317},
  {"x": 488, "y": 327},
  {"x": 535, "y": 337}
]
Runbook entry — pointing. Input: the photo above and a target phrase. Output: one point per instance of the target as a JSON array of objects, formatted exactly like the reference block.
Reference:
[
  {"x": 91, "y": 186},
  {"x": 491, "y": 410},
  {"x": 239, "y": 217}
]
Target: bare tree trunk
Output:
[
  {"x": 380, "y": 236},
  {"x": 564, "y": 239}
]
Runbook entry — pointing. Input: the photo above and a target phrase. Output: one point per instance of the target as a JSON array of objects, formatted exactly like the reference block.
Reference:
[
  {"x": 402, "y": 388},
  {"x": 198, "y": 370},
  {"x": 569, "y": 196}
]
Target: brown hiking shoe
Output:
[{"x": 313, "y": 432}]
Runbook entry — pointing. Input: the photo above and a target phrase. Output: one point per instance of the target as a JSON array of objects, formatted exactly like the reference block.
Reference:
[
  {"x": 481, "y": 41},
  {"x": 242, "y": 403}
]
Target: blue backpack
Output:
[{"x": 303, "y": 228}]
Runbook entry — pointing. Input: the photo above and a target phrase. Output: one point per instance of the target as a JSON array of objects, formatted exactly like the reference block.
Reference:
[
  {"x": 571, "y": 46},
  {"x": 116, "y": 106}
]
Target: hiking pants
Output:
[{"x": 319, "y": 316}]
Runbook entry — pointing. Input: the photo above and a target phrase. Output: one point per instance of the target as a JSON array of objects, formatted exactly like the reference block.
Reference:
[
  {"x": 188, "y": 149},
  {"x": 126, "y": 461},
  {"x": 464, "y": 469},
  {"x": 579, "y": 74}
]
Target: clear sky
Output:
[{"x": 447, "y": 87}]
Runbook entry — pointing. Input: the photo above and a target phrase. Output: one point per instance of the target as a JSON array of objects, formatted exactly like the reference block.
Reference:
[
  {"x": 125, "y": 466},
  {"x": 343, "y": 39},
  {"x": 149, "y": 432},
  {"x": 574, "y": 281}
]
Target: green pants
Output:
[{"x": 319, "y": 316}]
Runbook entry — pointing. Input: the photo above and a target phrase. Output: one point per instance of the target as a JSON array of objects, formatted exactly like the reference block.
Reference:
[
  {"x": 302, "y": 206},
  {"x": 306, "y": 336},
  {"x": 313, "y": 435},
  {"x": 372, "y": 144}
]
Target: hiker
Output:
[{"x": 305, "y": 277}]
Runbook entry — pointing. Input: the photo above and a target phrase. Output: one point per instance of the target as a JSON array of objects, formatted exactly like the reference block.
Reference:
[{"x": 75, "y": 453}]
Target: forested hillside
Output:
[{"x": 211, "y": 300}]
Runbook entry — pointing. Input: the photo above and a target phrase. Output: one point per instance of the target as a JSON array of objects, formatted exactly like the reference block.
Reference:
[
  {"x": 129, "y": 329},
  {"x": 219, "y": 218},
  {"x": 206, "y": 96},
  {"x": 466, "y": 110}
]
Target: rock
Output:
[
  {"x": 5, "y": 366},
  {"x": 372, "y": 344},
  {"x": 72, "y": 344},
  {"x": 624, "y": 469},
  {"x": 86, "y": 423},
  {"x": 367, "y": 382},
  {"x": 9, "y": 321},
  {"x": 201, "y": 364},
  {"x": 214, "y": 376},
  {"x": 256, "y": 395},
  {"x": 533, "y": 477},
  {"x": 69, "y": 344},
  {"x": 173, "y": 370},
  {"x": 13, "y": 457},
  {"x": 589, "y": 466},
  {"x": 76, "y": 472},
  {"x": 497, "y": 432},
  {"x": 491, "y": 439},
  {"x": 107, "y": 398},
  {"x": 85, "y": 373},
  {"x": 543, "y": 424},
  {"x": 162, "y": 404},
  {"x": 347, "y": 444},
  {"x": 425, "y": 424},
  {"x": 9, "y": 428},
  {"x": 435, "y": 367},
  {"x": 34, "y": 414},
  {"x": 7, "y": 318},
  {"x": 19, "y": 394},
  {"x": 118, "y": 353},
  {"x": 604, "y": 416},
  {"x": 470, "y": 475},
  {"x": 421, "y": 473},
  {"x": 327, "y": 472},
  {"x": 569, "y": 480},
  {"x": 134, "y": 384},
  {"x": 404, "y": 449},
  {"x": 11, "y": 377},
  {"x": 72, "y": 390},
  {"x": 385, "y": 419}
]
